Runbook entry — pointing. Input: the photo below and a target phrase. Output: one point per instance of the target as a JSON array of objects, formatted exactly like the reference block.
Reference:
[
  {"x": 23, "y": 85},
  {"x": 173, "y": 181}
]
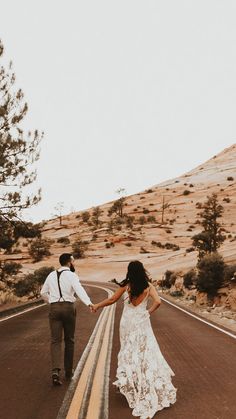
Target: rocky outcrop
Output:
[{"x": 230, "y": 299}]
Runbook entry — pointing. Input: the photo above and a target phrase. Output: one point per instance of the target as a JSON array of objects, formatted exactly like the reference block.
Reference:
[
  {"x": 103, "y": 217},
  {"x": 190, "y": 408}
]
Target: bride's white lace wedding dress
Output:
[{"x": 143, "y": 375}]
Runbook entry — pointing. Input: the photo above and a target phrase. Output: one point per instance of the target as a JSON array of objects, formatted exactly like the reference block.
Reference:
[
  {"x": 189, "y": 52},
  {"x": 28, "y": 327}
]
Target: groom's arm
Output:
[{"x": 80, "y": 291}]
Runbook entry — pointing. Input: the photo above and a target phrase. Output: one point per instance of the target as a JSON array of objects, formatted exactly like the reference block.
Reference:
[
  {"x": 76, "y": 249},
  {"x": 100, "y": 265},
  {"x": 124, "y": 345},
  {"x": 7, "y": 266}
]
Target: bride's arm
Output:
[
  {"x": 108, "y": 301},
  {"x": 156, "y": 299}
]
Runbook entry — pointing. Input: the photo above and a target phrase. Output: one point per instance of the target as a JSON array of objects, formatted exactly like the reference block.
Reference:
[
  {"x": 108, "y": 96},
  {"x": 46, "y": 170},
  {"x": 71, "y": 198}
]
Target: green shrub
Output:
[
  {"x": 39, "y": 248},
  {"x": 79, "y": 247},
  {"x": 129, "y": 220},
  {"x": 41, "y": 274},
  {"x": 63, "y": 240},
  {"x": 169, "y": 279},
  {"x": 109, "y": 245},
  {"x": 158, "y": 244},
  {"x": 190, "y": 278},
  {"x": 151, "y": 219},
  {"x": 211, "y": 269},
  {"x": 171, "y": 246},
  {"x": 190, "y": 249},
  {"x": 25, "y": 286},
  {"x": 97, "y": 212},
  {"x": 230, "y": 178},
  {"x": 8, "y": 271},
  {"x": 118, "y": 221},
  {"x": 186, "y": 192},
  {"x": 85, "y": 216},
  {"x": 177, "y": 293},
  {"x": 32, "y": 283},
  {"x": 142, "y": 220}
]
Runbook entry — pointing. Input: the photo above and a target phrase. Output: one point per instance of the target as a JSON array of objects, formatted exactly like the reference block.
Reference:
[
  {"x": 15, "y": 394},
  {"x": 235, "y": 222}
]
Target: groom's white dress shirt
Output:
[{"x": 70, "y": 285}]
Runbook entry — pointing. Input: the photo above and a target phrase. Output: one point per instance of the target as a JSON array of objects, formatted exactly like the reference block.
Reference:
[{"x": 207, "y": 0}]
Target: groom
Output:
[{"x": 58, "y": 290}]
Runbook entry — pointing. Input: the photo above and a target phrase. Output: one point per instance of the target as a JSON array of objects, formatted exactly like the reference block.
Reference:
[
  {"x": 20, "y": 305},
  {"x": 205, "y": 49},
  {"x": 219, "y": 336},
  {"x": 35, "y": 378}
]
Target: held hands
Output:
[{"x": 93, "y": 308}]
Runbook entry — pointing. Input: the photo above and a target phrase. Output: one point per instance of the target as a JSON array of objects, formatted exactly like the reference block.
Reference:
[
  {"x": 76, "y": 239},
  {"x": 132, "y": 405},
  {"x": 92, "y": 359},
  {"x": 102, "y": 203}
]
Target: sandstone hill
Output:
[{"x": 109, "y": 252}]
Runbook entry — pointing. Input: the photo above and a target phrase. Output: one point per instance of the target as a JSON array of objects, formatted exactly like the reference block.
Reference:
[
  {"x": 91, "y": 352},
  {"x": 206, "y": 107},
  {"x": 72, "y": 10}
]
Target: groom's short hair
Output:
[{"x": 65, "y": 258}]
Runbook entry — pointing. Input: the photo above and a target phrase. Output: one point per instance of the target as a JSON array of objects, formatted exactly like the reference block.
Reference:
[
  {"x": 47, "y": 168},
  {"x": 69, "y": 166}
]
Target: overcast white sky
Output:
[{"x": 129, "y": 92}]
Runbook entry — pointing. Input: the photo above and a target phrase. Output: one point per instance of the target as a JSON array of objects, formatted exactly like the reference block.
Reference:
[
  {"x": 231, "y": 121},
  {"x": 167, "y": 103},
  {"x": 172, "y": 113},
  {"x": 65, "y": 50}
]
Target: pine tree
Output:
[
  {"x": 117, "y": 208},
  {"x": 18, "y": 151},
  {"x": 210, "y": 238}
]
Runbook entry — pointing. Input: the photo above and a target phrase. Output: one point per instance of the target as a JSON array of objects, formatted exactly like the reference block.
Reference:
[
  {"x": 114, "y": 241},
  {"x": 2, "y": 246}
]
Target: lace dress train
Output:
[{"x": 143, "y": 374}]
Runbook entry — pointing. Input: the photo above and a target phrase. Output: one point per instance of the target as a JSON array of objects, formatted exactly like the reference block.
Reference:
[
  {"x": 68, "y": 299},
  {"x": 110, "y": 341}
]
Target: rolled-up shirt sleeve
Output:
[{"x": 80, "y": 291}]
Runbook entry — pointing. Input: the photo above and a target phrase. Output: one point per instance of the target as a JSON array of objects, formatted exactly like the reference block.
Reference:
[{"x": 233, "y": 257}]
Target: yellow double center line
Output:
[{"x": 89, "y": 399}]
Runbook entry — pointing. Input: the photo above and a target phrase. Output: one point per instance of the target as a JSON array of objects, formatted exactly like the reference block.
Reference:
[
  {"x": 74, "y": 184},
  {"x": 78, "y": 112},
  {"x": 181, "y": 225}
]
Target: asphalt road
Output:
[
  {"x": 204, "y": 362},
  {"x": 203, "y": 359},
  {"x": 25, "y": 382}
]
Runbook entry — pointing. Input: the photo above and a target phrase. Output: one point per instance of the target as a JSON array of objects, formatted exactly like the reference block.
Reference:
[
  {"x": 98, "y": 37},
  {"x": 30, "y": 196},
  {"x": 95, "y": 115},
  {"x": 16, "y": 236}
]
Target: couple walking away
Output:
[{"x": 143, "y": 374}]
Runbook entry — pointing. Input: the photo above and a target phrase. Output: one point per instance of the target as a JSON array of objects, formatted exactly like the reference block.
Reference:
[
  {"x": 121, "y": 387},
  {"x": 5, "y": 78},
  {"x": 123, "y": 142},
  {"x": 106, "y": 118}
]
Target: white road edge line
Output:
[
  {"x": 172, "y": 304},
  {"x": 37, "y": 306},
  {"x": 22, "y": 312},
  {"x": 198, "y": 318}
]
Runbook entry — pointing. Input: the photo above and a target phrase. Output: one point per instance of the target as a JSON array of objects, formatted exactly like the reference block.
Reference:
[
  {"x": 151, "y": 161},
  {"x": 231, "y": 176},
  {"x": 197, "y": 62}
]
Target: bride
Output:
[{"x": 143, "y": 375}]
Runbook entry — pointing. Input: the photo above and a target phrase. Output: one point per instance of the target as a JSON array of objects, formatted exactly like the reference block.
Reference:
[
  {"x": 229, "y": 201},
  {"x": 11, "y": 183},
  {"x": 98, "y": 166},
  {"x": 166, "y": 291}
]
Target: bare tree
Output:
[
  {"x": 59, "y": 210},
  {"x": 118, "y": 206},
  {"x": 164, "y": 206}
]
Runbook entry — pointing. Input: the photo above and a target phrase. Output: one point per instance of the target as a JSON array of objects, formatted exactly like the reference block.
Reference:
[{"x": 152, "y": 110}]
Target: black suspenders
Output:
[{"x": 59, "y": 286}]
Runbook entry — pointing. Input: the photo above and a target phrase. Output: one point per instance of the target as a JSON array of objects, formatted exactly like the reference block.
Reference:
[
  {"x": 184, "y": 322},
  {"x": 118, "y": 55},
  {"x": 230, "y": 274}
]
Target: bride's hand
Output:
[{"x": 95, "y": 308}]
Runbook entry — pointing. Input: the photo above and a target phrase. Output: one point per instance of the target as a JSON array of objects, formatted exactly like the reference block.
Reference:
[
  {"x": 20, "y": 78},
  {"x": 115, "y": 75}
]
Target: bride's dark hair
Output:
[{"x": 137, "y": 278}]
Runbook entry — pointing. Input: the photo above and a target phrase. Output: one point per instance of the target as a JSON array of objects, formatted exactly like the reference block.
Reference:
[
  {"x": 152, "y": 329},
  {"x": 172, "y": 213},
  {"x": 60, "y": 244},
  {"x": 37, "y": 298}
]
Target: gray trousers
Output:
[{"x": 62, "y": 316}]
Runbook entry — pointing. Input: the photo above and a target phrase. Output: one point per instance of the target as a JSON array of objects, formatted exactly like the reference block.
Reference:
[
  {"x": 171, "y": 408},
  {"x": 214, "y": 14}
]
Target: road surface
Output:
[{"x": 203, "y": 359}]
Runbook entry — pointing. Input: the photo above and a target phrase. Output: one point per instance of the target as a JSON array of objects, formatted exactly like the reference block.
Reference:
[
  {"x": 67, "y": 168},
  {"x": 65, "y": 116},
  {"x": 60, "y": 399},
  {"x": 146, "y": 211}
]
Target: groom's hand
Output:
[{"x": 93, "y": 308}]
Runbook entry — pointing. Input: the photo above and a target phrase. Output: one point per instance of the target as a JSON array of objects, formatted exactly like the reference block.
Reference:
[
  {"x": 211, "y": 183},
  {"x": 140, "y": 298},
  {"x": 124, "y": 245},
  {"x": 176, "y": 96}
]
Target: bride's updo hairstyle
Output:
[{"x": 137, "y": 278}]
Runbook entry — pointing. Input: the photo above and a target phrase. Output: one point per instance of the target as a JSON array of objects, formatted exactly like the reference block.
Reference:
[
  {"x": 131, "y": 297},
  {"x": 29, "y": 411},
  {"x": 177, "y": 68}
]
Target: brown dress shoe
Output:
[{"x": 56, "y": 379}]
